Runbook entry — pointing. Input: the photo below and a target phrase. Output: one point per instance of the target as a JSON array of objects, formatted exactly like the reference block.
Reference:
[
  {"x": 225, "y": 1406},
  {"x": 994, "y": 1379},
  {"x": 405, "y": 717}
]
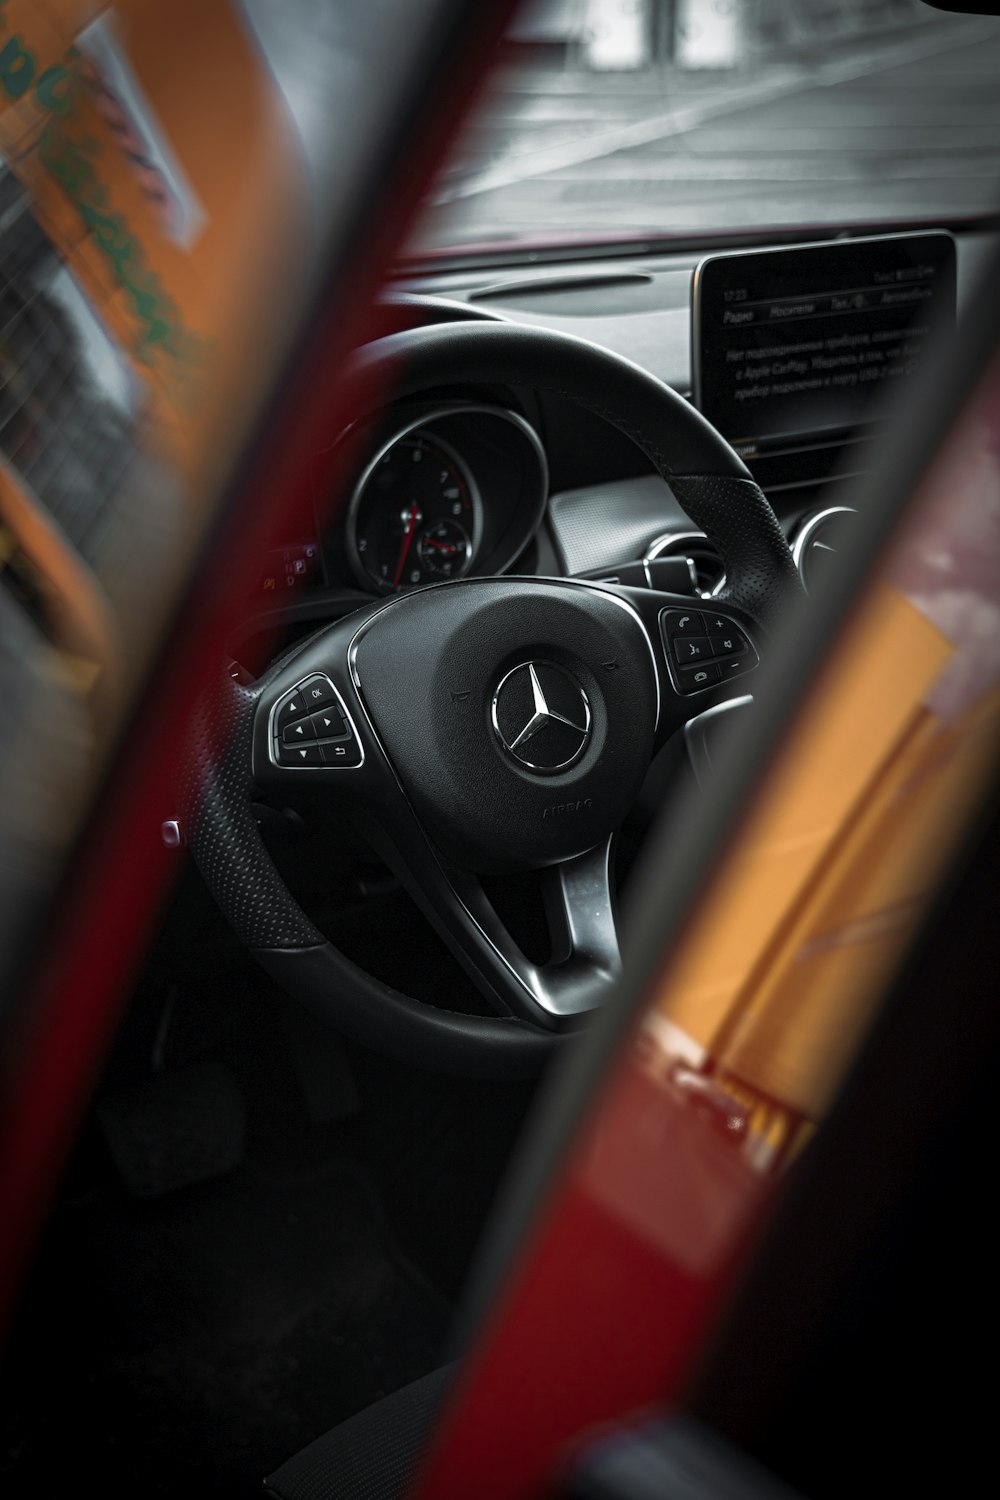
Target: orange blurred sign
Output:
[
  {"x": 158, "y": 157},
  {"x": 162, "y": 164}
]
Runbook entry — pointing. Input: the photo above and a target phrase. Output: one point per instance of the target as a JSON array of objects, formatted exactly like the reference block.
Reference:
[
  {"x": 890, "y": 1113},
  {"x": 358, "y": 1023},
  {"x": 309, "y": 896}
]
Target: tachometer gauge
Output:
[
  {"x": 445, "y": 549},
  {"x": 414, "y": 517}
]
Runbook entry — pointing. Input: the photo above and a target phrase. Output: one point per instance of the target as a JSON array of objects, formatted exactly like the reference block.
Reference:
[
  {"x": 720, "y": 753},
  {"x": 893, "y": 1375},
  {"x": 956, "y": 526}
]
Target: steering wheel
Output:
[{"x": 487, "y": 724}]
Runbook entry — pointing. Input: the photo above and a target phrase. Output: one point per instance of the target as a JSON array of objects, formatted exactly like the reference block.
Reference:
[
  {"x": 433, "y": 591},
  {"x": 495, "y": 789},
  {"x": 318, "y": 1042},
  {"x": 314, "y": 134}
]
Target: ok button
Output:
[{"x": 691, "y": 648}]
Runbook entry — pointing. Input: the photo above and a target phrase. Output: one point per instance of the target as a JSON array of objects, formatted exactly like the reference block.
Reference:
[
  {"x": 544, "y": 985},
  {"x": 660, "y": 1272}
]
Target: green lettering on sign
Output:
[
  {"x": 55, "y": 89},
  {"x": 17, "y": 68}
]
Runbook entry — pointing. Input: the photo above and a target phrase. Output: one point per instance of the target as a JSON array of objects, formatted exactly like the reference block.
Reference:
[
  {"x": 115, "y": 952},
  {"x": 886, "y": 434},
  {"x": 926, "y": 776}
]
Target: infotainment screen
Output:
[{"x": 800, "y": 341}]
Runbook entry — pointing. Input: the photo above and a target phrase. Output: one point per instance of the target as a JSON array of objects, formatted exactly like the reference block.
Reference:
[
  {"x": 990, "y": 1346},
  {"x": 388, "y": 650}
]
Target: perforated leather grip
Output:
[
  {"x": 734, "y": 514},
  {"x": 217, "y": 792}
]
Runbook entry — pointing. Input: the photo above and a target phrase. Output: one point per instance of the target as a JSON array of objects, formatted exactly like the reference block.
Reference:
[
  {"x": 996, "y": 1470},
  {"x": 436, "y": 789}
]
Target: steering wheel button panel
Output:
[
  {"x": 693, "y": 660},
  {"x": 325, "y": 737}
]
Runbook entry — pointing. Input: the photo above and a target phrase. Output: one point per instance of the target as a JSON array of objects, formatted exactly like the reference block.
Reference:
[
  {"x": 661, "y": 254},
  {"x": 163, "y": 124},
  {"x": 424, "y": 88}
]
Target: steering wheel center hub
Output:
[
  {"x": 518, "y": 714},
  {"x": 542, "y": 717}
]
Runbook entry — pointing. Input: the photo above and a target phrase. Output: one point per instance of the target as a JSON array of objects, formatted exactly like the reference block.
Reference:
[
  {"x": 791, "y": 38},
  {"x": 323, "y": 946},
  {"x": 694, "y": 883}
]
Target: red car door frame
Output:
[{"x": 72, "y": 975}]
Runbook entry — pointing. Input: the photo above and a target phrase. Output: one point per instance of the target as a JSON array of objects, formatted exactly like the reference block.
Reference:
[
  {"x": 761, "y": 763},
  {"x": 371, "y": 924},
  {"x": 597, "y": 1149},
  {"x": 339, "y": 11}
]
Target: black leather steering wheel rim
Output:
[
  {"x": 216, "y": 805},
  {"x": 708, "y": 478},
  {"x": 713, "y": 486}
]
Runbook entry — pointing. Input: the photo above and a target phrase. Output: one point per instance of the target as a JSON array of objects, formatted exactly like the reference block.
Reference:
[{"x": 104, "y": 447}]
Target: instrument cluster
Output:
[{"x": 451, "y": 490}]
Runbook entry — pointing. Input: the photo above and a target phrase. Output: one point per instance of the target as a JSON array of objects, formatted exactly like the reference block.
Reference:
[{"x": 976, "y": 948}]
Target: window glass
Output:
[{"x": 667, "y": 117}]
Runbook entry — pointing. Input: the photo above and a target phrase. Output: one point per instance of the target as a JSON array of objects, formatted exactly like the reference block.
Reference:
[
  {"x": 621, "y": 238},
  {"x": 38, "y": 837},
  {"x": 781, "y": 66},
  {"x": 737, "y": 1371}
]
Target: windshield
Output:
[{"x": 676, "y": 117}]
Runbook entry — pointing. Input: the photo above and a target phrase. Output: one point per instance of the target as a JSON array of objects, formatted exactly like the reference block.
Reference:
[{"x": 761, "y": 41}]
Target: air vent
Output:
[
  {"x": 819, "y": 540},
  {"x": 693, "y": 544}
]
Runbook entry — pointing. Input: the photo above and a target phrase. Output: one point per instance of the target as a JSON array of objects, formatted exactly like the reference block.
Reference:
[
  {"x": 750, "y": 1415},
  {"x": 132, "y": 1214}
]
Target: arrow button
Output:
[
  {"x": 298, "y": 732},
  {"x": 329, "y": 724}
]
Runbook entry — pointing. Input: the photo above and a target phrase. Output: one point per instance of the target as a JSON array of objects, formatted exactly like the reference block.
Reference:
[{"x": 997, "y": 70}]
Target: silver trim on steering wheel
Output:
[{"x": 582, "y": 887}]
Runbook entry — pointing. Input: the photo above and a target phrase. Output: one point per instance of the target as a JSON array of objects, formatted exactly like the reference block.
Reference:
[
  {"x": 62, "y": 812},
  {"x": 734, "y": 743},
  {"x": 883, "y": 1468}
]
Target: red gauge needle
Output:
[
  {"x": 445, "y": 546},
  {"x": 404, "y": 551}
]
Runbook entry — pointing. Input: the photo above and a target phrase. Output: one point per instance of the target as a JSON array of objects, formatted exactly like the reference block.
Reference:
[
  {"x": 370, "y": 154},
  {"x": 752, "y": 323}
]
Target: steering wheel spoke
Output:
[
  {"x": 577, "y": 902},
  {"x": 585, "y": 960}
]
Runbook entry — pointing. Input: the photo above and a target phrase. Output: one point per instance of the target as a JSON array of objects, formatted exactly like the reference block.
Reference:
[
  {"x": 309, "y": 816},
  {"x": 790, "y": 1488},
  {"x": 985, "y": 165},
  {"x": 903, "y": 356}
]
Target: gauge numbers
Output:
[{"x": 414, "y": 517}]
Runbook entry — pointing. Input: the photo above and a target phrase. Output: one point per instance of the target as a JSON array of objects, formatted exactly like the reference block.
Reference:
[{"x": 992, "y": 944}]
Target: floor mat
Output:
[{"x": 200, "y": 1339}]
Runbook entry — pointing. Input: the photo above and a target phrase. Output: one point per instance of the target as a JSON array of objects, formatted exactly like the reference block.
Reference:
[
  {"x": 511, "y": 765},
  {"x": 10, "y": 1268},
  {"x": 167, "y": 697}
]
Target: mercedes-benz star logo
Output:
[{"x": 542, "y": 716}]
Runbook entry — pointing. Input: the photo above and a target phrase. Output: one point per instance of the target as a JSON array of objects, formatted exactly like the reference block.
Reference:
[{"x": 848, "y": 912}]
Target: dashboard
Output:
[{"x": 788, "y": 348}]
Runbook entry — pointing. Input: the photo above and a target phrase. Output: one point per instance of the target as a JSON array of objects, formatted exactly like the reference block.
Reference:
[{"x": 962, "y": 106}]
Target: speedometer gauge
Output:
[{"x": 414, "y": 517}]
